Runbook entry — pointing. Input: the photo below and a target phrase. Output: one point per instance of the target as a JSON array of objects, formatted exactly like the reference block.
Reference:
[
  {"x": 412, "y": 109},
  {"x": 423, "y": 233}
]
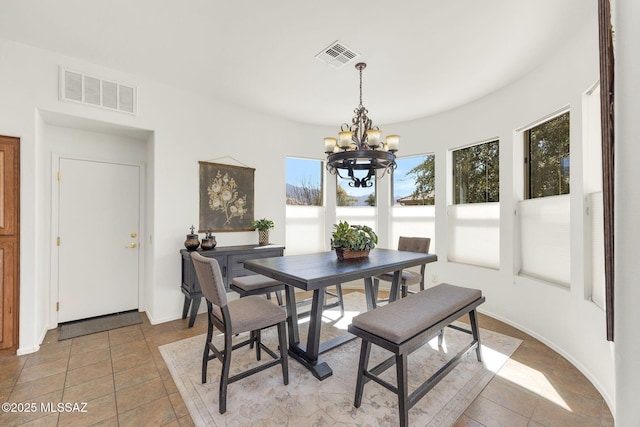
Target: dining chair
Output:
[
  {"x": 409, "y": 278},
  {"x": 257, "y": 284},
  {"x": 250, "y": 314}
]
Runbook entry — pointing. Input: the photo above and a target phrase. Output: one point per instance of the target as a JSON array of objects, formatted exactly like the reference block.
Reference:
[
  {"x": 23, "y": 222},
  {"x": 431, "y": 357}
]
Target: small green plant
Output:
[
  {"x": 262, "y": 224},
  {"x": 354, "y": 237}
]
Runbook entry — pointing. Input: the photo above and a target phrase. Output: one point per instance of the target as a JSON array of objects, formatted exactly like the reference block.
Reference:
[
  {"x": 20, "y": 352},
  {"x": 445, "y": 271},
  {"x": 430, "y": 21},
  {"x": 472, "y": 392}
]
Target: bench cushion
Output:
[{"x": 402, "y": 319}]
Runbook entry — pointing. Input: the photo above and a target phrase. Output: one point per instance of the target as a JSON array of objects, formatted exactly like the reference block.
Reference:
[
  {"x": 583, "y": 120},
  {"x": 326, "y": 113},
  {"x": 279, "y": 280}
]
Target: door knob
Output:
[{"x": 132, "y": 245}]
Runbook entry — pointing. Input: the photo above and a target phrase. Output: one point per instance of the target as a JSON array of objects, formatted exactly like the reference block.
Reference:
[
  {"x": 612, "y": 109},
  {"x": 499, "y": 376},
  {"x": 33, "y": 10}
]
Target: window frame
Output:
[
  {"x": 393, "y": 177},
  {"x": 321, "y": 180},
  {"x": 526, "y": 134},
  {"x": 454, "y": 171}
]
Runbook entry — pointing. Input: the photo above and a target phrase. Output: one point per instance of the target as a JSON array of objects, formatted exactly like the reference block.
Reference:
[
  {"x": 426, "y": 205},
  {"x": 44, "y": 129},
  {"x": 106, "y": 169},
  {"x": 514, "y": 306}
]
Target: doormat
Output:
[{"x": 99, "y": 324}]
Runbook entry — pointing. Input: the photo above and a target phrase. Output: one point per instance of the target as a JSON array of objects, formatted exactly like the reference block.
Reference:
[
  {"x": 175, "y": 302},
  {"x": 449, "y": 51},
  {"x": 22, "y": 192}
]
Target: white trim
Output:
[{"x": 546, "y": 118}]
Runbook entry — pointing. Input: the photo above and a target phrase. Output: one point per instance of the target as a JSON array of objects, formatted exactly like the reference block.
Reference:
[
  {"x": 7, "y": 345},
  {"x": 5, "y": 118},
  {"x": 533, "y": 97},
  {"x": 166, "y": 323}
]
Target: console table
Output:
[{"x": 230, "y": 259}]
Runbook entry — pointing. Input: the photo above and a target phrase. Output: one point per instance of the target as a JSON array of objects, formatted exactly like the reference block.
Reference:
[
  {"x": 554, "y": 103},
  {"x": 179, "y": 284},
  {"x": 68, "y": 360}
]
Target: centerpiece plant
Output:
[{"x": 352, "y": 241}]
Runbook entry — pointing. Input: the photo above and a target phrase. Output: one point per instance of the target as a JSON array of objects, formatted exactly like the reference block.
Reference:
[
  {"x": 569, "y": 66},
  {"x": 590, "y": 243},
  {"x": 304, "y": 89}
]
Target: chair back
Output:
[
  {"x": 414, "y": 244},
  {"x": 210, "y": 278}
]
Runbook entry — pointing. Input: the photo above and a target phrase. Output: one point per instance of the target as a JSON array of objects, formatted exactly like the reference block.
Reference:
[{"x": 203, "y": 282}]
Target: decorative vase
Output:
[
  {"x": 263, "y": 237},
  {"x": 347, "y": 254},
  {"x": 192, "y": 241},
  {"x": 208, "y": 242}
]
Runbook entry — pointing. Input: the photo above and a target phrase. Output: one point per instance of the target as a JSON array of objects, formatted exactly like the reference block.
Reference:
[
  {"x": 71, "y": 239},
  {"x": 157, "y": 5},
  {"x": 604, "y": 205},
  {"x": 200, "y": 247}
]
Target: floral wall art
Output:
[{"x": 226, "y": 197}]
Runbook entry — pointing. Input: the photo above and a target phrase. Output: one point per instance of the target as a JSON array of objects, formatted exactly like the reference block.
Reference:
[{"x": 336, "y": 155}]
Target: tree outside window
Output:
[
  {"x": 547, "y": 160},
  {"x": 414, "y": 181},
  {"x": 351, "y": 196},
  {"x": 476, "y": 174},
  {"x": 303, "y": 182}
]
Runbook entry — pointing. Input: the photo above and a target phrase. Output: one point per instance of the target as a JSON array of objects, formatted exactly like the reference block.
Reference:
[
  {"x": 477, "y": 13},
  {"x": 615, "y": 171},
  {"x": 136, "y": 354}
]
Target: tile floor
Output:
[{"x": 124, "y": 381}]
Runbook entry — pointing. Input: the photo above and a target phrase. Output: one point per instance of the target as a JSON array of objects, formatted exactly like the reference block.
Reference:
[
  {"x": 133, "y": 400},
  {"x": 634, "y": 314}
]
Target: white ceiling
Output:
[{"x": 424, "y": 56}]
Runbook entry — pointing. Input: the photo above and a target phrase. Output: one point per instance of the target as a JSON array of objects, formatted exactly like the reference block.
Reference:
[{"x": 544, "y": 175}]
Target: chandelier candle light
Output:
[{"x": 359, "y": 147}]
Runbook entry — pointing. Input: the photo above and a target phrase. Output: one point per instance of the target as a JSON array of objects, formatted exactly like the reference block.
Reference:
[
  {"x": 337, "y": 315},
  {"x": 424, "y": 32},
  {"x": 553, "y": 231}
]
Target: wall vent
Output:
[
  {"x": 78, "y": 87},
  {"x": 337, "y": 54}
]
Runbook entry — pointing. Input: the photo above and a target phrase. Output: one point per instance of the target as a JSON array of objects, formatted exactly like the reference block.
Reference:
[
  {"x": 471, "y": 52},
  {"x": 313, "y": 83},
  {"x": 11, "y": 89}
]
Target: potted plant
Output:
[
  {"x": 353, "y": 241},
  {"x": 263, "y": 226}
]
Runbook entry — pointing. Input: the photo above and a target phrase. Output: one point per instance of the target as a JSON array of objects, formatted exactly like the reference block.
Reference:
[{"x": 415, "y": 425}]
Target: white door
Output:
[{"x": 98, "y": 227}]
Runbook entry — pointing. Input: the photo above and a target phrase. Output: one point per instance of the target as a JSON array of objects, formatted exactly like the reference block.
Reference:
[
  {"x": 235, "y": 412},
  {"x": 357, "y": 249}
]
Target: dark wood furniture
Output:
[
  {"x": 314, "y": 272},
  {"x": 427, "y": 313},
  {"x": 251, "y": 314},
  {"x": 230, "y": 259},
  {"x": 9, "y": 243}
]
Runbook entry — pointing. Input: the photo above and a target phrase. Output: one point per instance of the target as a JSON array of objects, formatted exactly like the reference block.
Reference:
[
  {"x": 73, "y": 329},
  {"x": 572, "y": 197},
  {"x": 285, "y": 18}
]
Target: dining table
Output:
[{"x": 315, "y": 272}]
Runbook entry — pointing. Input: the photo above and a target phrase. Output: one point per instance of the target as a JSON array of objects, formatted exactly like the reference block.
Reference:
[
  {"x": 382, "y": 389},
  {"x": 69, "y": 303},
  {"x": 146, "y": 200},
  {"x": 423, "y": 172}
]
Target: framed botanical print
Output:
[{"x": 226, "y": 197}]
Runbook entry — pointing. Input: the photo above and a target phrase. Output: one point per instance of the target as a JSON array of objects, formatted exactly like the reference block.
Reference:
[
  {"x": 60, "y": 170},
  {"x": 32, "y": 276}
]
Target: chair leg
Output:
[
  {"x": 279, "y": 297},
  {"x": 282, "y": 338},
  {"x": 258, "y": 341},
  {"x": 365, "y": 349},
  {"x": 205, "y": 356},
  {"x": 376, "y": 286},
  {"x": 403, "y": 389},
  {"x": 224, "y": 376},
  {"x": 440, "y": 337}
]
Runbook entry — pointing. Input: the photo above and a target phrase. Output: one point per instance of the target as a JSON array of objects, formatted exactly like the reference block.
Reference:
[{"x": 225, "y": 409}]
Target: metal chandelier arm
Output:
[{"x": 360, "y": 148}]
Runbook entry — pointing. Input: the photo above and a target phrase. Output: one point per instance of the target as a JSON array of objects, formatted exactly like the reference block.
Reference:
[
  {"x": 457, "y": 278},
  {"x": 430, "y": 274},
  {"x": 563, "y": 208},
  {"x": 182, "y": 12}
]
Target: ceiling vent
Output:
[
  {"x": 337, "y": 54},
  {"x": 78, "y": 87}
]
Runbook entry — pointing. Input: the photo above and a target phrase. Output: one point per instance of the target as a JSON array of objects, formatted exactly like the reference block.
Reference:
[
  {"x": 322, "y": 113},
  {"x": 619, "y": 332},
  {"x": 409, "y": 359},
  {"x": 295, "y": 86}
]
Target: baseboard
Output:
[
  {"x": 157, "y": 321},
  {"x": 22, "y": 351}
]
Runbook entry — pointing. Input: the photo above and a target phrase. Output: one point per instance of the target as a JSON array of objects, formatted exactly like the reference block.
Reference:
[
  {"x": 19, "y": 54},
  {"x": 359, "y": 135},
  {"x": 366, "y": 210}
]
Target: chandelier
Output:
[{"x": 359, "y": 147}]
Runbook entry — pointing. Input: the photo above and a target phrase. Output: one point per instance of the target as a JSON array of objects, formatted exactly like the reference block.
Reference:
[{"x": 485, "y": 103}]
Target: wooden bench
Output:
[{"x": 404, "y": 326}]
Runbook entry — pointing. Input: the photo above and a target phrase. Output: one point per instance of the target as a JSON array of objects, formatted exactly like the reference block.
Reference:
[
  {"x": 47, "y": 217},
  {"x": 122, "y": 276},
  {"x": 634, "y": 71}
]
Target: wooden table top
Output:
[{"x": 319, "y": 270}]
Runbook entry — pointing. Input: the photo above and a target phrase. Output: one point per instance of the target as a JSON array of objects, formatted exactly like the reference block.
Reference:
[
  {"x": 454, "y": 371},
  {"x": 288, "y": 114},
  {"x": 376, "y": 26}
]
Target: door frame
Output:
[{"x": 55, "y": 193}]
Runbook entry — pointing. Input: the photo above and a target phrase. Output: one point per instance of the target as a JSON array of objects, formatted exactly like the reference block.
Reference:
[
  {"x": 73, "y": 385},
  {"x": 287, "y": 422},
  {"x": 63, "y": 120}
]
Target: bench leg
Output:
[
  {"x": 362, "y": 366},
  {"x": 403, "y": 389},
  {"x": 473, "y": 319}
]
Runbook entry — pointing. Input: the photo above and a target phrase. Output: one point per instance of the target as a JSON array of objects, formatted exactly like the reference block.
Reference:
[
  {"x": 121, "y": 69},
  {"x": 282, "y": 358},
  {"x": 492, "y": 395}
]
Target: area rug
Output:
[
  {"x": 263, "y": 399},
  {"x": 99, "y": 324}
]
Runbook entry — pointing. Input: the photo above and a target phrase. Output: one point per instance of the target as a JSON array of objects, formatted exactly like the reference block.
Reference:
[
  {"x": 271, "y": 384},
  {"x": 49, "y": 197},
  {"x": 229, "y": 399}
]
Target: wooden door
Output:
[
  {"x": 99, "y": 221},
  {"x": 9, "y": 242}
]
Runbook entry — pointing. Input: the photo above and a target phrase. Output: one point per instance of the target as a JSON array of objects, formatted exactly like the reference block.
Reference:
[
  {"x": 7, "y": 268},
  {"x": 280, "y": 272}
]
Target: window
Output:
[
  {"x": 414, "y": 181},
  {"x": 547, "y": 158},
  {"x": 351, "y": 196},
  {"x": 476, "y": 174},
  {"x": 304, "y": 182}
]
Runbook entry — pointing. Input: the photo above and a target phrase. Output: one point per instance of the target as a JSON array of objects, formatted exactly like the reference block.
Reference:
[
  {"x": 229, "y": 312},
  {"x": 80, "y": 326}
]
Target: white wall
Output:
[
  {"x": 186, "y": 128},
  {"x": 180, "y": 130},
  {"x": 560, "y": 317}
]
